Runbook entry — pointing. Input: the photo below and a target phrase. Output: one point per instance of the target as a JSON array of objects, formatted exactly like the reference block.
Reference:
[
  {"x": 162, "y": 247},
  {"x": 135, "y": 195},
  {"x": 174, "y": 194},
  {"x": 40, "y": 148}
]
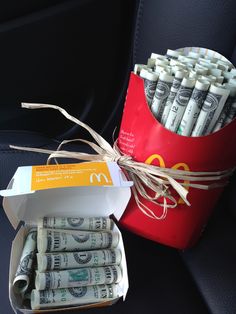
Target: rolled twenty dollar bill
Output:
[
  {"x": 78, "y": 277},
  {"x": 161, "y": 94},
  {"x": 67, "y": 260},
  {"x": 91, "y": 223},
  {"x": 57, "y": 241},
  {"x": 179, "y": 105},
  {"x": 211, "y": 110},
  {"x": 193, "y": 107},
  {"x": 25, "y": 268},
  {"x": 72, "y": 296}
]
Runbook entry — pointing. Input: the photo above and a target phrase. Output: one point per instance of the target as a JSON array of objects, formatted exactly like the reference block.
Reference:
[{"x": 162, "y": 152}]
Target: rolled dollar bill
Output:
[
  {"x": 173, "y": 54},
  {"x": 150, "y": 84},
  {"x": 215, "y": 72},
  {"x": 233, "y": 71},
  {"x": 25, "y": 268},
  {"x": 72, "y": 296},
  {"x": 224, "y": 65},
  {"x": 228, "y": 75},
  {"x": 187, "y": 60},
  {"x": 211, "y": 110},
  {"x": 157, "y": 56},
  {"x": 162, "y": 62},
  {"x": 231, "y": 114},
  {"x": 151, "y": 63},
  {"x": 201, "y": 69},
  {"x": 193, "y": 107},
  {"x": 179, "y": 105},
  {"x": 179, "y": 75},
  {"x": 139, "y": 67},
  {"x": 220, "y": 79},
  {"x": 58, "y": 261},
  {"x": 78, "y": 277},
  {"x": 193, "y": 54},
  {"x": 227, "y": 113},
  {"x": 92, "y": 223},
  {"x": 143, "y": 73},
  {"x": 57, "y": 241},
  {"x": 208, "y": 65},
  {"x": 232, "y": 81},
  {"x": 161, "y": 94}
]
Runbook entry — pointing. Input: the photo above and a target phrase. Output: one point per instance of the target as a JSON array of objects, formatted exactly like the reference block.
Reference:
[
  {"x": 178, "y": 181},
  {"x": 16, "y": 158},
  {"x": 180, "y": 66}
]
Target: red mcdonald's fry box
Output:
[{"x": 143, "y": 138}]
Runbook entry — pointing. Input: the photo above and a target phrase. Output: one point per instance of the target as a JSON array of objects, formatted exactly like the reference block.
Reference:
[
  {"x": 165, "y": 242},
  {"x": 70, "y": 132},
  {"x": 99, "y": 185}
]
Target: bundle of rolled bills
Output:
[
  {"x": 192, "y": 94},
  {"x": 77, "y": 260}
]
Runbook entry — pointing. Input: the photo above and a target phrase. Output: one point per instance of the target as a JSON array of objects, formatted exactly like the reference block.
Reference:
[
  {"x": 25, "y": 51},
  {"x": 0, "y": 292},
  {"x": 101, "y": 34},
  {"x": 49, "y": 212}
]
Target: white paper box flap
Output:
[{"x": 90, "y": 189}]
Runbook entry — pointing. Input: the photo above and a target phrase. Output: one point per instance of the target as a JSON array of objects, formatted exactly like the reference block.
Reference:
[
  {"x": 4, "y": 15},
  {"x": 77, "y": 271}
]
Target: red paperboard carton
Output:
[{"x": 146, "y": 140}]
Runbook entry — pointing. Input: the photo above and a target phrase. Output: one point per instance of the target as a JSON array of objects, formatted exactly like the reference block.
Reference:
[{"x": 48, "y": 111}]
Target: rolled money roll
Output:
[
  {"x": 162, "y": 62},
  {"x": 138, "y": 68},
  {"x": 195, "y": 55},
  {"x": 176, "y": 68},
  {"x": 91, "y": 224},
  {"x": 161, "y": 94},
  {"x": 179, "y": 105},
  {"x": 72, "y": 296},
  {"x": 212, "y": 78},
  {"x": 151, "y": 62},
  {"x": 224, "y": 65},
  {"x": 173, "y": 54},
  {"x": 179, "y": 75},
  {"x": 187, "y": 60},
  {"x": 174, "y": 62},
  {"x": 162, "y": 68},
  {"x": 232, "y": 81},
  {"x": 25, "y": 268},
  {"x": 208, "y": 65},
  {"x": 193, "y": 107},
  {"x": 210, "y": 59},
  {"x": 78, "y": 277},
  {"x": 150, "y": 84},
  {"x": 56, "y": 241},
  {"x": 227, "y": 110},
  {"x": 215, "y": 72},
  {"x": 233, "y": 71},
  {"x": 157, "y": 56},
  {"x": 211, "y": 110},
  {"x": 200, "y": 69},
  {"x": 231, "y": 114},
  {"x": 58, "y": 261},
  {"x": 220, "y": 79},
  {"x": 143, "y": 73}
]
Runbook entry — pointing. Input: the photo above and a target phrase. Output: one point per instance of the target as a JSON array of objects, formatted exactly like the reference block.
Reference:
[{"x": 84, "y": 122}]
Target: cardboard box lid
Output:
[{"x": 88, "y": 189}]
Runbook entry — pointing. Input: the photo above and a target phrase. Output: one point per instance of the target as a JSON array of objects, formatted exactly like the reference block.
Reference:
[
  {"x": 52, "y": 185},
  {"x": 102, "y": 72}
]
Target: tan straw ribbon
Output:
[{"x": 158, "y": 180}]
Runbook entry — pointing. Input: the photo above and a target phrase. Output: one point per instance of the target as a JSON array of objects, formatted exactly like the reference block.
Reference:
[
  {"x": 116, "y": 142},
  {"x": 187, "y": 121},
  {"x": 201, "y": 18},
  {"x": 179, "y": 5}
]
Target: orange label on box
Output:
[{"x": 65, "y": 175}]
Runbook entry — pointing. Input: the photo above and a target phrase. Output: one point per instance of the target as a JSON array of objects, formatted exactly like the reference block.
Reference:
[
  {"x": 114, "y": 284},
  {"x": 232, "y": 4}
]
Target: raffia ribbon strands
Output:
[{"x": 157, "y": 179}]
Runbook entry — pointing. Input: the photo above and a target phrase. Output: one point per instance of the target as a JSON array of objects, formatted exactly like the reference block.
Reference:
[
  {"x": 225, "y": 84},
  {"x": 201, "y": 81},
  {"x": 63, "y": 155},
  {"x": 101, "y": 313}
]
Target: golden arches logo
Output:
[
  {"x": 98, "y": 177},
  {"x": 150, "y": 159},
  {"x": 177, "y": 166}
]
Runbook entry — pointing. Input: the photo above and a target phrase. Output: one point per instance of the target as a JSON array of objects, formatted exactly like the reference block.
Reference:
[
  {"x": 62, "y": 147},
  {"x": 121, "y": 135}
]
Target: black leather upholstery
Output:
[{"x": 172, "y": 24}]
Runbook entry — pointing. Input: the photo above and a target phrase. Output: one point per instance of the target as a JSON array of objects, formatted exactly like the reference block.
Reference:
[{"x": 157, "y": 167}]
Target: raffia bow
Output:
[{"x": 158, "y": 180}]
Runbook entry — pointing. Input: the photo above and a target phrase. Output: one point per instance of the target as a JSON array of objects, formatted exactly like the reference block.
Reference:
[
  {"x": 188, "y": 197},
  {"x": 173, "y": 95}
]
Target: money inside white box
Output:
[{"x": 99, "y": 193}]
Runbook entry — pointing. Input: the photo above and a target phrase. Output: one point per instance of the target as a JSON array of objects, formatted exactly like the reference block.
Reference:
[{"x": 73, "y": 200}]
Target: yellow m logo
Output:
[
  {"x": 161, "y": 161},
  {"x": 98, "y": 177}
]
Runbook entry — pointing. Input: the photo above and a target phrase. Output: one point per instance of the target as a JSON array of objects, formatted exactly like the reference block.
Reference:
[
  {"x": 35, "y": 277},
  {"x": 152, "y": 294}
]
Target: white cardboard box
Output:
[{"x": 88, "y": 189}]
